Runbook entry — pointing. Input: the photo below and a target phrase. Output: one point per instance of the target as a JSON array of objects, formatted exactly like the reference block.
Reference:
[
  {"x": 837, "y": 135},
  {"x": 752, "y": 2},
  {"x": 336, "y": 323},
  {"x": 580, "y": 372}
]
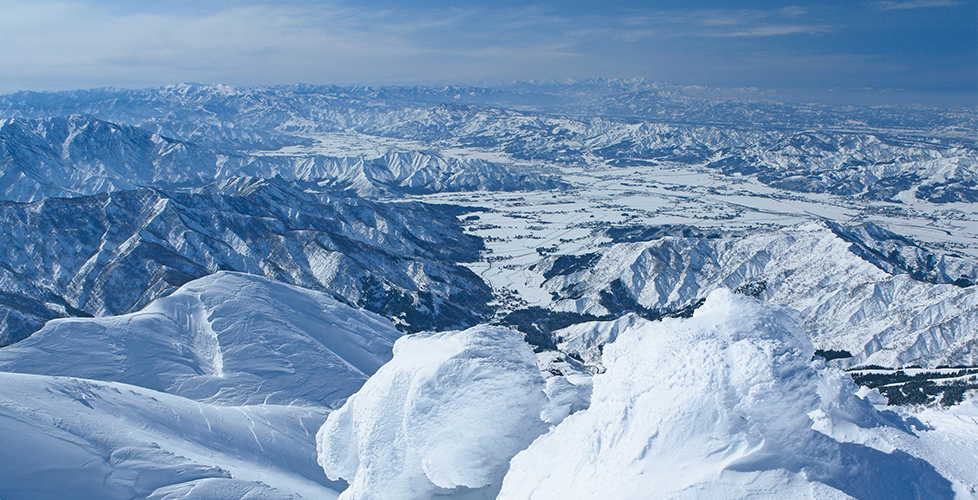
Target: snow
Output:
[
  {"x": 83, "y": 439},
  {"x": 587, "y": 340},
  {"x": 226, "y": 338},
  {"x": 214, "y": 392},
  {"x": 442, "y": 418},
  {"x": 717, "y": 406},
  {"x": 846, "y": 302},
  {"x": 949, "y": 440}
]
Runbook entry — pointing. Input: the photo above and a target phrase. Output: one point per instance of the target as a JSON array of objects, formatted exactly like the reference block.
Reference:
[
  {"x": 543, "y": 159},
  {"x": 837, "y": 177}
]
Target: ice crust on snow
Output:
[
  {"x": 718, "y": 406},
  {"x": 443, "y": 417}
]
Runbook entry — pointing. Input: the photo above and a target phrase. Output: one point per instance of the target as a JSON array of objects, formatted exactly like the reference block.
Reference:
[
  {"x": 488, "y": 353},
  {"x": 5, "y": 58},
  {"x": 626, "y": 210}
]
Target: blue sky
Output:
[{"x": 902, "y": 51}]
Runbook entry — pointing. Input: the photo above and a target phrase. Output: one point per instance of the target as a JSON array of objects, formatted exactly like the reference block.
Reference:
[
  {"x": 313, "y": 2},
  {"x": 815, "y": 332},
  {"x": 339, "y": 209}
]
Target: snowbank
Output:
[
  {"x": 717, "y": 406},
  {"x": 443, "y": 417}
]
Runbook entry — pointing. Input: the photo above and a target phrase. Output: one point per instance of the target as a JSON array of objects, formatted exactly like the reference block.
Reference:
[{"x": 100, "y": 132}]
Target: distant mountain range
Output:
[
  {"x": 80, "y": 155},
  {"x": 164, "y": 185},
  {"x": 115, "y": 252}
]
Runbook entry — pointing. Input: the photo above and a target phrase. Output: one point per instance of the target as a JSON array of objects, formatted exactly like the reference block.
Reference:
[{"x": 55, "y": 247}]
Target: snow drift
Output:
[
  {"x": 82, "y": 439},
  {"x": 443, "y": 417},
  {"x": 214, "y": 392},
  {"x": 718, "y": 406},
  {"x": 226, "y": 338}
]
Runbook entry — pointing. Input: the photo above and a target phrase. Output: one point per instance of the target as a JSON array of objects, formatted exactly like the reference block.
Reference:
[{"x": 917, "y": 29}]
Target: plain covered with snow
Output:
[{"x": 443, "y": 417}]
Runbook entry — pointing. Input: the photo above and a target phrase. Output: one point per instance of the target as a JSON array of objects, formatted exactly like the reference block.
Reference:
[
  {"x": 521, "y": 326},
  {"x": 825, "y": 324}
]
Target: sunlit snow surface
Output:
[
  {"x": 669, "y": 193},
  {"x": 218, "y": 391},
  {"x": 722, "y": 406},
  {"x": 880, "y": 318},
  {"x": 444, "y": 417},
  {"x": 215, "y": 392},
  {"x": 726, "y": 403}
]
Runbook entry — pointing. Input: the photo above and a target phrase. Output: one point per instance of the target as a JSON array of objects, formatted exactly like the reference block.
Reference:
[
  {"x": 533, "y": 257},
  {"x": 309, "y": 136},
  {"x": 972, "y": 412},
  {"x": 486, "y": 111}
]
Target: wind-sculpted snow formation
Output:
[
  {"x": 114, "y": 253},
  {"x": 727, "y": 403},
  {"x": 226, "y": 338},
  {"x": 721, "y": 405},
  {"x": 846, "y": 302},
  {"x": 443, "y": 418},
  {"x": 213, "y": 392}
]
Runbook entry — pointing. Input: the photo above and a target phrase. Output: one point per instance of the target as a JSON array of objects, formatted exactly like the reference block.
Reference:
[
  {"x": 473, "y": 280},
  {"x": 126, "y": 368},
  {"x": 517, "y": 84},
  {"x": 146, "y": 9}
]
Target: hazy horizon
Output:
[{"x": 871, "y": 52}]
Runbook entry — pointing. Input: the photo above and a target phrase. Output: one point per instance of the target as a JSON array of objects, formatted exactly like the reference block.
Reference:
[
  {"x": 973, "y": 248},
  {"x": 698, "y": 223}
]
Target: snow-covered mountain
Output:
[
  {"x": 213, "y": 392},
  {"x": 867, "y": 165},
  {"x": 195, "y": 279},
  {"x": 227, "y": 338},
  {"x": 876, "y": 153},
  {"x": 727, "y": 402},
  {"x": 80, "y": 155},
  {"x": 114, "y": 253},
  {"x": 847, "y": 302},
  {"x": 416, "y": 173}
]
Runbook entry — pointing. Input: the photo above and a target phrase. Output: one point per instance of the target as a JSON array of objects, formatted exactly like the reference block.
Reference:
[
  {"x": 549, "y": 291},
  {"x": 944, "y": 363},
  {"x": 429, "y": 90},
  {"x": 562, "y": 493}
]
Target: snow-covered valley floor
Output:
[{"x": 695, "y": 314}]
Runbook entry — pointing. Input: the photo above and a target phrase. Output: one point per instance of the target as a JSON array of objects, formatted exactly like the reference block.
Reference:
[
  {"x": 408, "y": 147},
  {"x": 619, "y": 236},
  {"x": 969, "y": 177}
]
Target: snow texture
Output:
[
  {"x": 226, "y": 338},
  {"x": 846, "y": 302},
  {"x": 68, "y": 438},
  {"x": 214, "y": 392},
  {"x": 718, "y": 406},
  {"x": 443, "y": 418}
]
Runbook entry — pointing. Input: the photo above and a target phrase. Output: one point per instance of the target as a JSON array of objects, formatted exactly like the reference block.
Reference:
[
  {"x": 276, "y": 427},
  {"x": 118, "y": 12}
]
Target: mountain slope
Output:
[
  {"x": 213, "y": 392},
  {"x": 114, "y": 253},
  {"x": 226, "y": 338},
  {"x": 79, "y": 155},
  {"x": 417, "y": 173},
  {"x": 85, "y": 439},
  {"x": 808, "y": 148},
  {"x": 847, "y": 302}
]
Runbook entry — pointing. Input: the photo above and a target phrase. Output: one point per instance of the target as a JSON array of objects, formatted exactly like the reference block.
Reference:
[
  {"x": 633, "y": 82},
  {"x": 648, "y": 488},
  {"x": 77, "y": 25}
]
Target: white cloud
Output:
[
  {"x": 777, "y": 30},
  {"x": 70, "y": 44},
  {"x": 60, "y": 44},
  {"x": 916, "y": 4}
]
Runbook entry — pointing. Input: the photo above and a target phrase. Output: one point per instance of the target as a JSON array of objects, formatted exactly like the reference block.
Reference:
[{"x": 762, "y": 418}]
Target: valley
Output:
[{"x": 301, "y": 291}]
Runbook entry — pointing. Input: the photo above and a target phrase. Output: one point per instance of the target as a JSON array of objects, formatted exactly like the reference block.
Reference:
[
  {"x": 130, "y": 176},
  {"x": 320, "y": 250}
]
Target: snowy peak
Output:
[
  {"x": 227, "y": 338},
  {"x": 116, "y": 252},
  {"x": 846, "y": 301},
  {"x": 80, "y": 155},
  {"x": 399, "y": 173}
]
